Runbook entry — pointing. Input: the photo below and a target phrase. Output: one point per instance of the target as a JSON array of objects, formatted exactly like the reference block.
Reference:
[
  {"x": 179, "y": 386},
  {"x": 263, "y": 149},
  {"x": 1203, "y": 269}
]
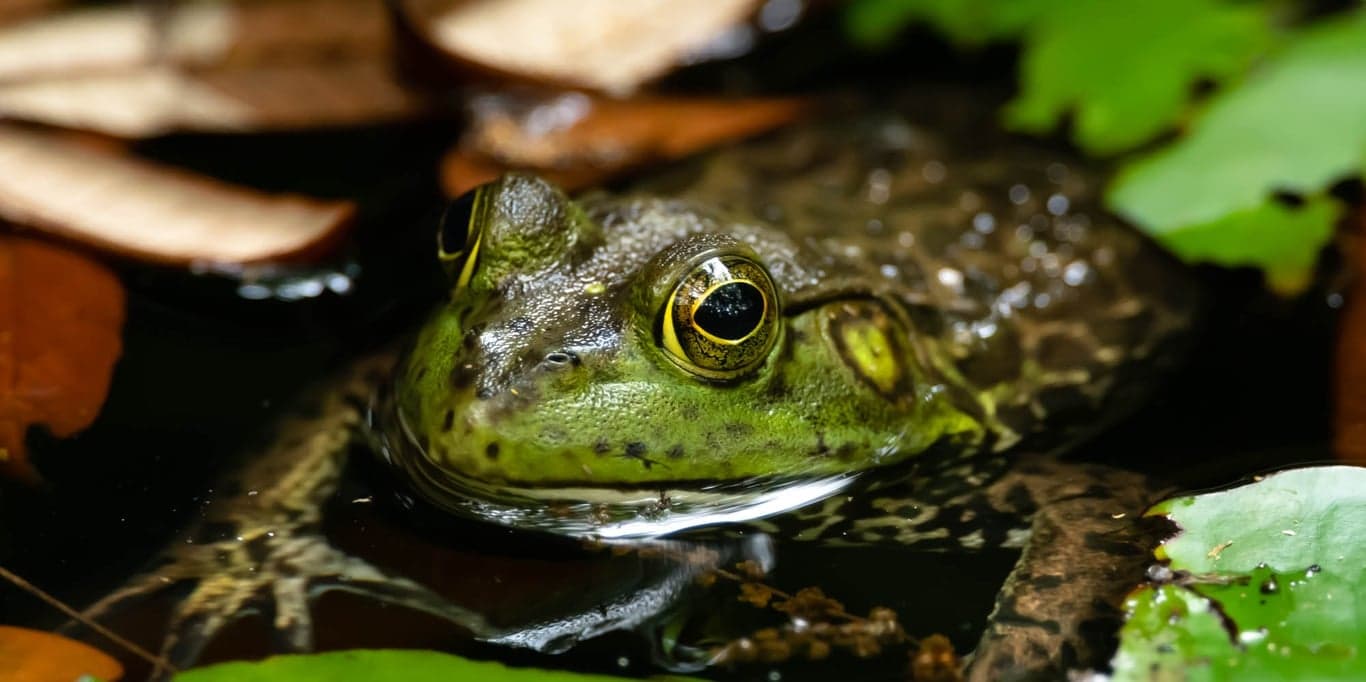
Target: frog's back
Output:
[{"x": 1051, "y": 308}]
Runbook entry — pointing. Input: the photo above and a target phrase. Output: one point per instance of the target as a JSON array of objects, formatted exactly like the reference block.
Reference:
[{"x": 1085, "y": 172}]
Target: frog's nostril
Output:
[{"x": 561, "y": 359}]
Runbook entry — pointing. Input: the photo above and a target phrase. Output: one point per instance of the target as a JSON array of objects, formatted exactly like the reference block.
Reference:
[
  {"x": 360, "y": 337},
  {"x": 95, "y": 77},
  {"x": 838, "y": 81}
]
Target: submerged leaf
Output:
[
  {"x": 380, "y": 666},
  {"x": 35, "y": 656},
  {"x": 61, "y": 320},
  {"x": 1298, "y": 125},
  {"x": 1282, "y": 598}
]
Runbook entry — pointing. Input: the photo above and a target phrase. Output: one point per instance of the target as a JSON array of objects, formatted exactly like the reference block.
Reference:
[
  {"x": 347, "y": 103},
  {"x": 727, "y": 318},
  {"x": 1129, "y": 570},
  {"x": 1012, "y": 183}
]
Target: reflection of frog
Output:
[{"x": 843, "y": 298}]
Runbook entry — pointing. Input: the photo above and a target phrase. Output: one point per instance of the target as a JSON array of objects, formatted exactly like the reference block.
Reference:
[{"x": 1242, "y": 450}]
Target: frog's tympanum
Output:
[{"x": 895, "y": 313}]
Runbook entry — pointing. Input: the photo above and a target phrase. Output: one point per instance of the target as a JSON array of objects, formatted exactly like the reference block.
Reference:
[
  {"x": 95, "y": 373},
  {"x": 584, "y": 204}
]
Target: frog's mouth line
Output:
[{"x": 598, "y": 511}]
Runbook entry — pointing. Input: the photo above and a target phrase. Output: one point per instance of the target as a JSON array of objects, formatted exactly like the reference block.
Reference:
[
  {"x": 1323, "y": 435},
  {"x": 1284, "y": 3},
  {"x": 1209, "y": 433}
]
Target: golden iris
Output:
[
  {"x": 458, "y": 236},
  {"x": 721, "y": 319}
]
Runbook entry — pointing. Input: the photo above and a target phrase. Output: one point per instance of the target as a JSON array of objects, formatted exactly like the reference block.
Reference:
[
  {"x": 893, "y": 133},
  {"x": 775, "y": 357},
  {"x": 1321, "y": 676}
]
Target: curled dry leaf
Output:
[
  {"x": 199, "y": 35},
  {"x": 604, "y": 45},
  {"x": 61, "y": 315},
  {"x": 137, "y": 208},
  {"x": 34, "y": 656},
  {"x": 158, "y": 100},
  {"x": 14, "y": 10},
  {"x": 205, "y": 67},
  {"x": 579, "y": 141},
  {"x": 1350, "y": 388}
]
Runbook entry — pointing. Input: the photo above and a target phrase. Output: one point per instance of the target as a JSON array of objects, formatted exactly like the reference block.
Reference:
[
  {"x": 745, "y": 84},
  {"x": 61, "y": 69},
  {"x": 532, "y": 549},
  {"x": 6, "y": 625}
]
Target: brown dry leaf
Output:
[
  {"x": 1349, "y": 441},
  {"x": 199, "y": 35},
  {"x": 605, "y": 45},
  {"x": 138, "y": 208},
  {"x": 159, "y": 100},
  {"x": 61, "y": 317},
  {"x": 14, "y": 10},
  {"x": 35, "y": 656},
  {"x": 590, "y": 140}
]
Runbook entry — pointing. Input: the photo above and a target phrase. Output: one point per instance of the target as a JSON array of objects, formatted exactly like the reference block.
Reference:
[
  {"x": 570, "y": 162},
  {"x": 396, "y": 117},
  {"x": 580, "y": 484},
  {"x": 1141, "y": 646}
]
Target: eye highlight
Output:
[
  {"x": 720, "y": 321},
  {"x": 458, "y": 236}
]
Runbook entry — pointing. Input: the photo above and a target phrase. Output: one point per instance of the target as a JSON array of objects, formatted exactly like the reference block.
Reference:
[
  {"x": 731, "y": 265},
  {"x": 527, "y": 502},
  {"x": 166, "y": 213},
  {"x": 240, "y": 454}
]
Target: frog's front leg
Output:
[
  {"x": 263, "y": 547},
  {"x": 1061, "y": 604}
]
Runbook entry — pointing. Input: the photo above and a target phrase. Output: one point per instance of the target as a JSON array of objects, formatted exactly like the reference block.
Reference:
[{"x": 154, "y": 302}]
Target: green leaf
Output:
[
  {"x": 1128, "y": 69},
  {"x": 875, "y": 23},
  {"x": 1283, "y": 240},
  {"x": 1297, "y": 125},
  {"x": 380, "y": 666},
  {"x": 1278, "y": 591}
]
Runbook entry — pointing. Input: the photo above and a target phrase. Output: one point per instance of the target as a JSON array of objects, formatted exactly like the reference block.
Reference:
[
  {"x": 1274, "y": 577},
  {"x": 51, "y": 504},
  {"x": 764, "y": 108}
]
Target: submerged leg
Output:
[
  {"x": 1083, "y": 550},
  {"x": 262, "y": 549}
]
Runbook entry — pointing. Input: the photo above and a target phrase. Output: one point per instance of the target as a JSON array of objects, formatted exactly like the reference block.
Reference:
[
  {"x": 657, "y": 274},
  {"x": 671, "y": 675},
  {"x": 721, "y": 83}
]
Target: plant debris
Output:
[
  {"x": 61, "y": 319},
  {"x": 138, "y": 208}
]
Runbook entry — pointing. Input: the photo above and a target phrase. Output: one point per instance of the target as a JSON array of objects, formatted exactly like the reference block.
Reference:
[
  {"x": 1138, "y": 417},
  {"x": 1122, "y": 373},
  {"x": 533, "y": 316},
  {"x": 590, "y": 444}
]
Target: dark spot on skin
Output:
[
  {"x": 491, "y": 450},
  {"x": 449, "y": 421},
  {"x": 822, "y": 449},
  {"x": 688, "y": 412},
  {"x": 636, "y": 450},
  {"x": 421, "y": 373},
  {"x": 675, "y": 452},
  {"x": 464, "y": 375},
  {"x": 738, "y": 429},
  {"x": 602, "y": 447},
  {"x": 1046, "y": 582},
  {"x": 845, "y": 452},
  {"x": 1021, "y": 501},
  {"x": 1100, "y": 543},
  {"x": 777, "y": 388}
]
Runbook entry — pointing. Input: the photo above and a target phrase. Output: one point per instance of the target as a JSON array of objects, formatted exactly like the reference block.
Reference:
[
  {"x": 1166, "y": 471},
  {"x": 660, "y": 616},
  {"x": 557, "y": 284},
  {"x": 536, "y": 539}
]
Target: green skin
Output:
[{"x": 626, "y": 412}]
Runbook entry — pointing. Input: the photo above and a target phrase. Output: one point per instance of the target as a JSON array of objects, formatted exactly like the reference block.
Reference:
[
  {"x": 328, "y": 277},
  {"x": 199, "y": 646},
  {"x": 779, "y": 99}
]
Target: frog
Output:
[{"x": 881, "y": 326}]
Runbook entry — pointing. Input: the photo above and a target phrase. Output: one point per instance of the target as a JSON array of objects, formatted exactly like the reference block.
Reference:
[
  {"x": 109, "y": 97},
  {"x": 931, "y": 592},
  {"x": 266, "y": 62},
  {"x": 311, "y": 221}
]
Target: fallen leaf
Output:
[
  {"x": 162, "y": 99},
  {"x": 603, "y": 45},
  {"x": 34, "y": 656},
  {"x": 61, "y": 315},
  {"x": 14, "y": 10},
  {"x": 134, "y": 207},
  {"x": 198, "y": 35},
  {"x": 579, "y": 141}
]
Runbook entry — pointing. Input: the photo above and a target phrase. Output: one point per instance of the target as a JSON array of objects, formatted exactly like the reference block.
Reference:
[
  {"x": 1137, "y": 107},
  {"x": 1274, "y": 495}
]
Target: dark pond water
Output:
[{"x": 204, "y": 369}]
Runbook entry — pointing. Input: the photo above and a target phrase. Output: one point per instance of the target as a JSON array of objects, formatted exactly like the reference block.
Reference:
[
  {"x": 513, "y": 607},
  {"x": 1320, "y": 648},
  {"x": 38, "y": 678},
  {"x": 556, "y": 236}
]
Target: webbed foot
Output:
[{"x": 278, "y": 571}]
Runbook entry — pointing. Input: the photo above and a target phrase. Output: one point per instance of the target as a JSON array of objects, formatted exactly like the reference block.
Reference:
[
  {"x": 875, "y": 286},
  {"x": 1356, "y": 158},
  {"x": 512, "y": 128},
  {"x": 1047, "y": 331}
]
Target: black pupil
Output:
[
  {"x": 454, "y": 229},
  {"x": 731, "y": 311}
]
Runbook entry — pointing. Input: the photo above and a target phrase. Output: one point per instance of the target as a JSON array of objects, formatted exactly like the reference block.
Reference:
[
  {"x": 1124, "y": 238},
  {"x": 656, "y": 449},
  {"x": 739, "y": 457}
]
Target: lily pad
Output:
[
  {"x": 1275, "y": 591},
  {"x": 380, "y": 665},
  {"x": 1297, "y": 125}
]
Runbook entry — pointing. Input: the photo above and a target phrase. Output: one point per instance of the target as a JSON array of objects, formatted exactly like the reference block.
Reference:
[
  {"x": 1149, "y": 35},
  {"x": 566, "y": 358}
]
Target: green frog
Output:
[{"x": 874, "y": 328}]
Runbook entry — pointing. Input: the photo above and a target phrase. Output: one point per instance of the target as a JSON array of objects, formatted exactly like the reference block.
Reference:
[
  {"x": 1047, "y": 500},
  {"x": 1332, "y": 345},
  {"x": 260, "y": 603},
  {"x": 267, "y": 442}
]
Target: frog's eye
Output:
[
  {"x": 721, "y": 319},
  {"x": 458, "y": 236}
]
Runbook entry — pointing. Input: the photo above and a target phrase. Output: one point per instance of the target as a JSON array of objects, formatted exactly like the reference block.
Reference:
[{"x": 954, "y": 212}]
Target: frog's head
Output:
[{"x": 651, "y": 344}]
